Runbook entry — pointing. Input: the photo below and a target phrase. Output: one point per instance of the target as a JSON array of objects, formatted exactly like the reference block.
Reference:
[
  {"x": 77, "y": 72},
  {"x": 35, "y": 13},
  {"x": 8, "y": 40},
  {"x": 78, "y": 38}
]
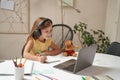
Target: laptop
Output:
[{"x": 84, "y": 59}]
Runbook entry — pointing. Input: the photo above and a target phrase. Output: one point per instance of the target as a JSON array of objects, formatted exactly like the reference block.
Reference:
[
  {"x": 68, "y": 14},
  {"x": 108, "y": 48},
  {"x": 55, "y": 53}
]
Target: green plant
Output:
[
  {"x": 102, "y": 40},
  {"x": 88, "y": 38}
]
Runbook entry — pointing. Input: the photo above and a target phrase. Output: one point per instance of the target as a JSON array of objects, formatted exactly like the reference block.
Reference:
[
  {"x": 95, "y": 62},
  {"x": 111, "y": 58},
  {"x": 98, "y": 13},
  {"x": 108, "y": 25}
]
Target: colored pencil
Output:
[
  {"x": 15, "y": 63},
  {"x": 24, "y": 62}
]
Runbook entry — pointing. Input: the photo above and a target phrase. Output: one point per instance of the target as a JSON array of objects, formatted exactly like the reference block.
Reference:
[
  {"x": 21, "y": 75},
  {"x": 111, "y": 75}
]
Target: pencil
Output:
[
  {"x": 38, "y": 51},
  {"x": 51, "y": 78},
  {"x": 24, "y": 62},
  {"x": 15, "y": 63},
  {"x": 16, "y": 60},
  {"x": 20, "y": 59},
  {"x": 37, "y": 78},
  {"x": 45, "y": 76},
  {"x": 41, "y": 54},
  {"x": 83, "y": 78},
  {"x": 20, "y": 64}
]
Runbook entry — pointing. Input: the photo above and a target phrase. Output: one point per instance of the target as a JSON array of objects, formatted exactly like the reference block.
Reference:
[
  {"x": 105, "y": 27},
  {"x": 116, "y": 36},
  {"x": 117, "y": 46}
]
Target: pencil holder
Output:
[{"x": 19, "y": 73}]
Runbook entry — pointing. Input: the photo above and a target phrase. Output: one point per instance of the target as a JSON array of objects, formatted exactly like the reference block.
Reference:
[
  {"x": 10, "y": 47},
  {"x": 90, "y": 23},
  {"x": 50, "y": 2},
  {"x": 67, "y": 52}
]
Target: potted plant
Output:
[{"x": 88, "y": 38}]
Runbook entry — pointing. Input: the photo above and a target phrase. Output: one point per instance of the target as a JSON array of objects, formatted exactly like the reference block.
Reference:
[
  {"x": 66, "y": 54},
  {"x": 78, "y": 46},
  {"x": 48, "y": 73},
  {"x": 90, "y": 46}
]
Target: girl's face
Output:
[{"x": 47, "y": 32}]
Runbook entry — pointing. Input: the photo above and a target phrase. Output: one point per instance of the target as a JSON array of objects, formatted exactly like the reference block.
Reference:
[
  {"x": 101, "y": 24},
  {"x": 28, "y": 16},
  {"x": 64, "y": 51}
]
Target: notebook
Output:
[{"x": 84, "y": 59}]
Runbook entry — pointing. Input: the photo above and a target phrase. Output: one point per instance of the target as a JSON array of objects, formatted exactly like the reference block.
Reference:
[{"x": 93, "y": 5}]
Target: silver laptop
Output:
[{"x": 84, "y": 59}]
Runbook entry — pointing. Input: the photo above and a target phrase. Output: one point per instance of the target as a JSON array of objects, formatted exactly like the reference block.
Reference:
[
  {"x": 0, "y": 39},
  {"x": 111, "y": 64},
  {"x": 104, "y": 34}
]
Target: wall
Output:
[
  {"x": 112, "y": 27},
  {"x": 93, "y": 12}
]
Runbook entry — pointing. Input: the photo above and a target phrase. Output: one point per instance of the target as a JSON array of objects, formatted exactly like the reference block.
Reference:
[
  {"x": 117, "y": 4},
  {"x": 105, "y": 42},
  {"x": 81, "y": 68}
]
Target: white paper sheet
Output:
[{"x": 7, "y": 4}]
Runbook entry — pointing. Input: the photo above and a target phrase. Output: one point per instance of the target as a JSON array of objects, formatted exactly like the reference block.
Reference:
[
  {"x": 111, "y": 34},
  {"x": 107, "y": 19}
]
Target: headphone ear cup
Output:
[{"x": 36, "y": 33}]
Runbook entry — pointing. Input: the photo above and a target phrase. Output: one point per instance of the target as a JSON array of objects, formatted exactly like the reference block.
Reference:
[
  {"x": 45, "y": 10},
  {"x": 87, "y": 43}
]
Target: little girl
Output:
[{"x": 39, "y": 40}]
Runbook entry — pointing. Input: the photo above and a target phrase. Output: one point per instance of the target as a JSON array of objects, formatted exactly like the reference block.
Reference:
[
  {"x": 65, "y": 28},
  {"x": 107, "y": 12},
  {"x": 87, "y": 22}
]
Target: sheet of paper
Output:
[
  {"x": 7, "y": 67},
  {"x": 7, "y": 4}
]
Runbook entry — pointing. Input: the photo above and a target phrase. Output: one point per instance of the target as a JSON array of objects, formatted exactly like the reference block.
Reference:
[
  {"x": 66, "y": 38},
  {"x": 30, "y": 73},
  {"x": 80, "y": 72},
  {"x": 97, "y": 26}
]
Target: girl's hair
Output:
[{"x": 36, "y": 25}]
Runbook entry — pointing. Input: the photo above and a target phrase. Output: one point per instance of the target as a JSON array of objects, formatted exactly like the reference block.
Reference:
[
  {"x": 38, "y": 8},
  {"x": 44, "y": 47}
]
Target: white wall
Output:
[
  {"x": 11, "y": 45},
  {"x": 93, "y": 12},
  {"x": 112, "y": 27}
]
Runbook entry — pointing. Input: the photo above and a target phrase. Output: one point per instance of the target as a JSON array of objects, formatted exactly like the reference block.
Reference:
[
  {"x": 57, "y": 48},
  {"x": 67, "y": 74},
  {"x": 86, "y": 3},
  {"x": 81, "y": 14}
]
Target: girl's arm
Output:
[
  {"x": 55, "y": 50},
  {"x": 28, "y": 55}
]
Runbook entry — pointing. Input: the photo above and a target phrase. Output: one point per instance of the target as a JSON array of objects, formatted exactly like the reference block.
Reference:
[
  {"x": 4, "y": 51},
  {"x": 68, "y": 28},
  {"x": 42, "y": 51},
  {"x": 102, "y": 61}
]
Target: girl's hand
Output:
[
  {"x": 37, "y": 54},
  {"x": 43, "y": 59},
  {"x": 44, "y": 51}
]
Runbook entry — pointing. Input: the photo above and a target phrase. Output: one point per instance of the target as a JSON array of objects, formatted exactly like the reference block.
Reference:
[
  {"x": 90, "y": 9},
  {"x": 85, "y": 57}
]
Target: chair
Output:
[
  {"x": 60, "y": 33},
  {"x": 22, "y": 51},
  {"x": 113, "y": 49}
]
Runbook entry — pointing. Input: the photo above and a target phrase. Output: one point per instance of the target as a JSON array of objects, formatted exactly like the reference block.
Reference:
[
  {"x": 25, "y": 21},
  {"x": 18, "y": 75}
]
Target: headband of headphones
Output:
[
  {"x": 37, "y": 31},
  {"x": 42, "y": 22}
]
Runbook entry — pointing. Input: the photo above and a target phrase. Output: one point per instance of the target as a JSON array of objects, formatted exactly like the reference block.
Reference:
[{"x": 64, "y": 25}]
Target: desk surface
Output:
[{"x": 103, "y": 65}]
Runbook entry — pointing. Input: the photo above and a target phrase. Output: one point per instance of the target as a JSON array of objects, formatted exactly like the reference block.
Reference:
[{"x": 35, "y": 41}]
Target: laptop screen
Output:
[{"x": 84, "y": 59}]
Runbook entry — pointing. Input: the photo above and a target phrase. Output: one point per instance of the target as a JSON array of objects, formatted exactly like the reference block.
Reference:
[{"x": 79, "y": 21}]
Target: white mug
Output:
[{"x": 19, "y": 73}]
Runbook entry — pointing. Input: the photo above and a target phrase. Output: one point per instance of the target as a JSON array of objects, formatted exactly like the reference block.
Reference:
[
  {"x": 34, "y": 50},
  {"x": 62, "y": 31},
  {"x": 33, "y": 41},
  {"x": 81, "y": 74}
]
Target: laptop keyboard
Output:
[
  {"x": 70, "y": 68},
  {"x": 68, "y": 65}
]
